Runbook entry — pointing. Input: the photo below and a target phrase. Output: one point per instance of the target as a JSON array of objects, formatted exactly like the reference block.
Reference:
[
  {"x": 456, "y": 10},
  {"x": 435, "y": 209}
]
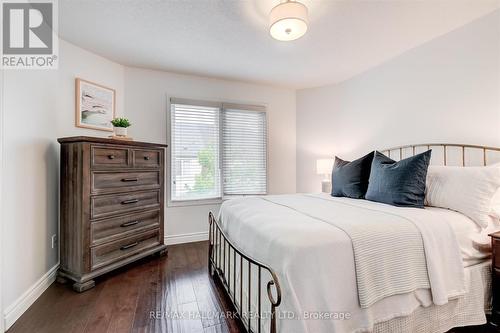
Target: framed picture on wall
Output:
[{"x": 95, "y": 105}]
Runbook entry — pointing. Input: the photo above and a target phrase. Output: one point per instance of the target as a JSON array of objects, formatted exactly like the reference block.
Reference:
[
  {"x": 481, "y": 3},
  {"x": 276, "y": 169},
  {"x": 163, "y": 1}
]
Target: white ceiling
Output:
[{"x": 230, "y": 39}]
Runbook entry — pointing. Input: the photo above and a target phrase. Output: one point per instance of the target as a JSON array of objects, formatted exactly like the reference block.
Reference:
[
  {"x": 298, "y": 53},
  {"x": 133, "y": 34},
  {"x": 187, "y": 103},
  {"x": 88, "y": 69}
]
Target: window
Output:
[
  {"x": 217, "y": 150},
  {"x": 195, "y": 152},
  {"x": 244, "y": 151}
]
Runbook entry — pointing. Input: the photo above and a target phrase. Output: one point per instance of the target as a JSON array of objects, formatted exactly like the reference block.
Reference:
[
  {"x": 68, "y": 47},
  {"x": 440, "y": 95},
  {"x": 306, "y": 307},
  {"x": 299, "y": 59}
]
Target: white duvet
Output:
[{"x": 315, "y": 265}]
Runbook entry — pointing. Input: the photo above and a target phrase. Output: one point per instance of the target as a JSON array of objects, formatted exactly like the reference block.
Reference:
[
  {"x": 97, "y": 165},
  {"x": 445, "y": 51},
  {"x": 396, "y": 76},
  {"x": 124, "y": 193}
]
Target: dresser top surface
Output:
[
  {"x": 495, "y": 235},
  {"x": 77, "y": 139}
]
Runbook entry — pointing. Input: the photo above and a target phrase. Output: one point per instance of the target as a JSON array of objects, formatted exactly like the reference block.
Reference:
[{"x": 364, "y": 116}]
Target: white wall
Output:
[
  {"x": 447, "y": 90},
  {"x": 39, "y": 107},
  {"x": 146, "y": 99}
]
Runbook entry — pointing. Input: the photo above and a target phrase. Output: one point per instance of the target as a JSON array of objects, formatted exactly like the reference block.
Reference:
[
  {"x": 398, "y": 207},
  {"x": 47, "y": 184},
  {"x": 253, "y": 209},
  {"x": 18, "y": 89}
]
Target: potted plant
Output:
[{"x": 120, "y": 126}]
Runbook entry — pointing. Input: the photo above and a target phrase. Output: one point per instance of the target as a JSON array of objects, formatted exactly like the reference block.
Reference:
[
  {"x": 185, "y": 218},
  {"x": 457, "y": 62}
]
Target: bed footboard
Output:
[{"x": 223, "y": 260}]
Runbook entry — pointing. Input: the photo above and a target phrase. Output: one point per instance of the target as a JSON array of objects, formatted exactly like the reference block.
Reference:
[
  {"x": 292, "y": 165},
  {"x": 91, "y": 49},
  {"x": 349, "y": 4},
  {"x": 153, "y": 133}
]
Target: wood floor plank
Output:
[
  {"x": 191, "y": 252},
  {"x": 100, "y": 319},
  {"x": 79, "y": 310},
  {"x": 207, "y": 303},
  {"x": 71, "y": 304},
  {"x": 147, "y": 296},
  {"x": 183, "y": 285},
  {"x": 221, "y": 328},
  {"x": 190, "y": 321},
  {"x": 124, "y": 309}
]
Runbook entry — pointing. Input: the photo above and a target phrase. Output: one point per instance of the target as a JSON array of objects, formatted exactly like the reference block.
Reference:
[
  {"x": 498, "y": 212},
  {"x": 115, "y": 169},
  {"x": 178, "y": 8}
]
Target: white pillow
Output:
[
  {"x": 482, "y": 241},
  {"x": 495, "y": 205},
  {"x": 468, "y": 190}
]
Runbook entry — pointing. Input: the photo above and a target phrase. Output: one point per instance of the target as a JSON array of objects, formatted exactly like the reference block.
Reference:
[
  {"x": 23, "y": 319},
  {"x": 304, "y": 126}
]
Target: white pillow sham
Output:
[
  {"x": 468, "y": 190},
  {"x": 495, "y": 205}
]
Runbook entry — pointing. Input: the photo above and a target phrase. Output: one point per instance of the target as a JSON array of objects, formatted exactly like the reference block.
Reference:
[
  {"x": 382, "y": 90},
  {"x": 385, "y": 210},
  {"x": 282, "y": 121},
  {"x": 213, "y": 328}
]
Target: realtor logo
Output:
[{"x": 29, "y": 38}]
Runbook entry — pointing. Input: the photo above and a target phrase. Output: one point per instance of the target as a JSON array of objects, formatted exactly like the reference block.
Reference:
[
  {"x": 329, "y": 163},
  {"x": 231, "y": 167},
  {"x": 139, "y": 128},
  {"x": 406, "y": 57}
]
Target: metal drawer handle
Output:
[
  {"x": 147, "y": 158},
  {"x": 128, "y": 224},
  {"x": 131, "y": 201},
  {"x": 126, "y": 247},
  {"x": 111, "y": 157},
  {"x": 130, "y": 179}
]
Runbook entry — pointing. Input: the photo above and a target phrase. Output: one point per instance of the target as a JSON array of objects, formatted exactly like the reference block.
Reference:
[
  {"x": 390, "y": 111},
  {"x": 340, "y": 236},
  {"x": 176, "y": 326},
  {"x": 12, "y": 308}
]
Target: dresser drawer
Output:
[
  {"x": 109, "y": 157},
  {"x": 118, "y": 227},
  {"x": 110, "y": 252},
  {"x": 106, "y": 205},
  {"x": 144, "y": 158},
  {"x": 109, "y": 181}
]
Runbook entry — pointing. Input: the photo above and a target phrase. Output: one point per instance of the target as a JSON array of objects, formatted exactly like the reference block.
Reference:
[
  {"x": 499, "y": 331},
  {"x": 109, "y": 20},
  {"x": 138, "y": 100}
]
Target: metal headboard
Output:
[{"x": 489, "y": 155}]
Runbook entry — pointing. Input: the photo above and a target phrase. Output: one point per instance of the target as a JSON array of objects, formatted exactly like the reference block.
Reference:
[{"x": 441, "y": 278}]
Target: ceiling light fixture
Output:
[{"x": 288, "y": 21}]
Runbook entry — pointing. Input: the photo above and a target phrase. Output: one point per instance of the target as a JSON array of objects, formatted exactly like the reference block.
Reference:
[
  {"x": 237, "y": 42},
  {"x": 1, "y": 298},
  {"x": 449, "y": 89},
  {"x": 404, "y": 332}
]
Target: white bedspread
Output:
[{"x": 314, "y": 259}]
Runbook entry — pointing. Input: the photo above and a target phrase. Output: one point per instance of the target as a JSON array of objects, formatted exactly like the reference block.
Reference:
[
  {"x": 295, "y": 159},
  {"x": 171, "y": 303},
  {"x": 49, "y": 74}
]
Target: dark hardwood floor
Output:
[
  {"x": 140, "y": 298},
  {"x": 148, "y": 296}
]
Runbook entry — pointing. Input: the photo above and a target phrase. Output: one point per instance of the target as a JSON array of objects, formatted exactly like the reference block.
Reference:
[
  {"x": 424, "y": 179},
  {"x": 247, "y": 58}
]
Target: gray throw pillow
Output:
[
  {"x": 399, "y": 183},
  {"x": 350, "y": 179}
]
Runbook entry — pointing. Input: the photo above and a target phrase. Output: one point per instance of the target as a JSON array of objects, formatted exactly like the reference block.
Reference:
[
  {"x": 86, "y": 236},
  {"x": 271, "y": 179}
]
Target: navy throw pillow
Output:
[
  {"x": 399, "y": 183},
  {"x": 350, "y": 179}
]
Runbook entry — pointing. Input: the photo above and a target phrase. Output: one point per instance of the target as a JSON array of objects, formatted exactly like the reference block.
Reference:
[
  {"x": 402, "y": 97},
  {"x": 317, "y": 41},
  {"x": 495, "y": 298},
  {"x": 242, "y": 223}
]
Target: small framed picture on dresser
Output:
[{"x": 95, "y": 105}]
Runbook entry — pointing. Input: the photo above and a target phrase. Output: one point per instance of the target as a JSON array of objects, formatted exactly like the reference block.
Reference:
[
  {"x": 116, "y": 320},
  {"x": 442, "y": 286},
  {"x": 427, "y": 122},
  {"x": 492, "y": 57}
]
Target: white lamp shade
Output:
[
  {"x": 324, "y": 166},
  {"x": 288, "y": 21}
]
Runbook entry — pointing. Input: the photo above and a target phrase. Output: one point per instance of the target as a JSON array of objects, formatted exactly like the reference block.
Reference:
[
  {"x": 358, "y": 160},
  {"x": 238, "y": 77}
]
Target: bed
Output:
[{"x": 315, "y": 263}]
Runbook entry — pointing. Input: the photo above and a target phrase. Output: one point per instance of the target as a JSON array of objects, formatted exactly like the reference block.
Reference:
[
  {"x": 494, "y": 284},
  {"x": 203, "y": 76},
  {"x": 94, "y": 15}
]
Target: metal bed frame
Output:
[
  {"x": 221, "y": 250},
  {"x": 219, "y": 266}
]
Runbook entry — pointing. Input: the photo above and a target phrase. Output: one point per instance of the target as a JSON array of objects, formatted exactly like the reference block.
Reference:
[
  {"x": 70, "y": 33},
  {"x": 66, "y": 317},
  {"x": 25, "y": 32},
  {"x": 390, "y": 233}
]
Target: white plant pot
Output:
[{"x": 120, "y": 131}]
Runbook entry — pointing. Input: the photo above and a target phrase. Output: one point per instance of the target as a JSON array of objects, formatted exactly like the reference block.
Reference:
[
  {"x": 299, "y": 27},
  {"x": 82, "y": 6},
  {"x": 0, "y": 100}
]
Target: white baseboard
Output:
[
  {"x": 16, "y": 309},
  {"x": 186, "y": 238}
]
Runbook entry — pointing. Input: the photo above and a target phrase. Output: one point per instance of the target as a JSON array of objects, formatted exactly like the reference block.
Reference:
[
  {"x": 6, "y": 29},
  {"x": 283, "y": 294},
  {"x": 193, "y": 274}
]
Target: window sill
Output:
[
  {"x": 206, "y": 202},
  {"x": 200, "y": 202}
]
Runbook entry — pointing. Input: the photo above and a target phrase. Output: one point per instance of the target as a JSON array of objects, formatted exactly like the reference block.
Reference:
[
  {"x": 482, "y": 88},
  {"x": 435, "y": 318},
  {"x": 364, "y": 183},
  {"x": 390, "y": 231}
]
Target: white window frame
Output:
[{"x": 258, "y": 107}]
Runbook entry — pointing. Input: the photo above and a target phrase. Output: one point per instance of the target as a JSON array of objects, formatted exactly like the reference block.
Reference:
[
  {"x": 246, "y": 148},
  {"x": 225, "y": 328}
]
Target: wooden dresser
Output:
[
  {"x": 111, "y": 206},
  {"x": 495, "y": 279}
]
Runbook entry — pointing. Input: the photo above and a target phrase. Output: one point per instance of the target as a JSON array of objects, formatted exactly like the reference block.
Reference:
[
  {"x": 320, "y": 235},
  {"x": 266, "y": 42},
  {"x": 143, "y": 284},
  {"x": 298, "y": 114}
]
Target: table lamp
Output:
[{"x": 324, "y": 167}]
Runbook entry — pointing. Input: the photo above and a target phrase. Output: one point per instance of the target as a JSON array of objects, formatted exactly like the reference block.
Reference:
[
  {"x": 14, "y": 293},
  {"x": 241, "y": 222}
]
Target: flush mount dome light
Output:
[{"x": 288, "y": 21}]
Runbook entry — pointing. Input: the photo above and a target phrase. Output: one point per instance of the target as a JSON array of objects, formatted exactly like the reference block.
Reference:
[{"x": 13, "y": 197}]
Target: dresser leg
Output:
[
  {"x": 160, "y": 253},
  {"x": 61, "y": 279},
  {"x": 81, "y": 287}
]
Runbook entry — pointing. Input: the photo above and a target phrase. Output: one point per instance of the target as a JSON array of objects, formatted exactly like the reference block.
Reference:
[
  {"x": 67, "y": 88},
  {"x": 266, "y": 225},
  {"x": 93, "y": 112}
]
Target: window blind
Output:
[
  {"x": 244, "y": 153},
  {"x": 195, "y": 170}
]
